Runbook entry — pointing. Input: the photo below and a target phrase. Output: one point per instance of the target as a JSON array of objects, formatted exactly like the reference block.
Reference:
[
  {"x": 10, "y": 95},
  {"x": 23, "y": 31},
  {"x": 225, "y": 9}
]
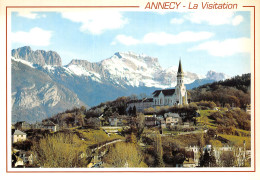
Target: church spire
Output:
[{"x": 180, "y": 67}]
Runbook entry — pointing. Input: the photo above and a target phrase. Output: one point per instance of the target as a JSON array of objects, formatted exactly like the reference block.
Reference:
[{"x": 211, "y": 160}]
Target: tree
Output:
[
  {"x": 178, "y": 158},
  {"x": 124, "y": 155},
  {"x": 227, "y": 105},
  {"x": 59, "y": 150},
  {"x": 149, "y": 110},
  {"x": 143, "y": 95},
  {"x": 140, "y": 124},
  {"x": 158, "y": 151},
  {"x": 80, "y": 118},
  {"x": 134, "y": 111},
  {"x": 193, "y": 105},
  {"x": 132, "y": 138},
  {"x": 83, "y": 109},
  {"x": 93, "y": 123},
  {"x": 207, "y": 159},
  {"x": 130, "y": 111},
  {"x": 227, "y": 159},
  {"x": 23, "y": 145},
  {"x": 202, "y": 141},
  {"x": 212, "y": 105},
  {"x": 133, "y": 97}
]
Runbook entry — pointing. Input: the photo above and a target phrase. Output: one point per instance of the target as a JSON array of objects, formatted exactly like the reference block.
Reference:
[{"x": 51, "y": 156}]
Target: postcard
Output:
[{"x": 131, "y": 87}]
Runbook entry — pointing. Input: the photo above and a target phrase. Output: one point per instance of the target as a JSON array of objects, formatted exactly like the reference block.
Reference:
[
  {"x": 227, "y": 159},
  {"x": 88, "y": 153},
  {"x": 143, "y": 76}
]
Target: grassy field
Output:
[
  {"x": 94, "y": 136},
  {"x": 183, "y": 140},
  {"x": 238, "y": 140},
  {"x": 204, "y": 120}
]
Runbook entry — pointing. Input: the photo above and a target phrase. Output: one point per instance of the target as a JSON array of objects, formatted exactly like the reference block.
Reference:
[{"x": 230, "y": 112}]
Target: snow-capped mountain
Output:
[
  {"x": 129, "y": 69},
  {"x": 83, "y": 82}
]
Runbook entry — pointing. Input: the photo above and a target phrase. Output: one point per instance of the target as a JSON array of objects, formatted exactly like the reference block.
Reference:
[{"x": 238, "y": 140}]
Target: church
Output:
[
  {"x": 166, "y": 97},
  {"x": 170, "y": 97}
]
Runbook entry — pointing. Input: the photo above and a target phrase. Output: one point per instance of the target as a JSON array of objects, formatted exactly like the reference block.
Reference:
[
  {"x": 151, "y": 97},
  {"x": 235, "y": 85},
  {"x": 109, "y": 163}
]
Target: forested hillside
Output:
[{"x": 233, "y": 92}]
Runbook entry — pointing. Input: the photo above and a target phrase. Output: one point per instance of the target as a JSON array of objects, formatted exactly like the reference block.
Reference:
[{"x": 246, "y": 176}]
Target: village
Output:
[
  {"x": 169, "y": 125},
  {"x": 167, "y": 129}
]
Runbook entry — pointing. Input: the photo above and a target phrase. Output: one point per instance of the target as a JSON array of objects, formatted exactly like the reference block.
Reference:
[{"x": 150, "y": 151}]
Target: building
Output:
[
  {"x": 18, "y": 135},
  {"x": 172, "y": 119},
  {"x": 166, "y": 97},
  {"x": 195, "y": 150},
  {"x": 189, "y": 163},
  {"x": 115, "y": 120},
  {"x": 27, "y": 157},
  {"x": 248, "y": 109},
  {"x": 140, "y": 104},
  {"x": 22, "y": 125},
  {"x": 51, "y": 126},
  {"x": 163, "y": 123},
  {"x": 170, "y": 97},
  {"x": 151, "y": 121}
]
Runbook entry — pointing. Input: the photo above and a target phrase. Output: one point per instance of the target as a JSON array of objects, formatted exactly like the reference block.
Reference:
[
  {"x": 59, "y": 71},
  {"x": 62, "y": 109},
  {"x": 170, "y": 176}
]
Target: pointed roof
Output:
[
  {"x": 18, "y": 132},
  {"x": 180, "y": 67}
]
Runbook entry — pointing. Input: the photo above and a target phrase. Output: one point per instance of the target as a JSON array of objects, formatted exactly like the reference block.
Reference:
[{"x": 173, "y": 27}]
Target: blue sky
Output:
[{"x": 204, "y": 41}]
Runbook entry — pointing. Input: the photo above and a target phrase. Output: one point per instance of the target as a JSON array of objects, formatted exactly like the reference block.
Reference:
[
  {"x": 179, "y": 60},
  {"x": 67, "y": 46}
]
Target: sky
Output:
[{"x": 204, "y": 41}]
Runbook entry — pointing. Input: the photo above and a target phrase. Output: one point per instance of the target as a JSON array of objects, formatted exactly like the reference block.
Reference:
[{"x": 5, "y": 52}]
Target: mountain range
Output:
[{"x": 42, "y": 87}]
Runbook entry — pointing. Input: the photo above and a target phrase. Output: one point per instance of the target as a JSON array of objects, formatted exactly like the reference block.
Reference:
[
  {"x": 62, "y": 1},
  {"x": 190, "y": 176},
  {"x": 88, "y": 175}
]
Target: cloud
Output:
[
  {"x": 214, "y": 18},
  {"x": 97, "y": 22},
  {"x": 224, "y": 48},
  {"x": 36, "y": 36},
  {"x": 162, "y": 38},
  {"x": 177, "y": 21},
  {"x": 31, "y": 15},
  {"x": 237, "y": 20},
  {"x": 126, "y": 40}
]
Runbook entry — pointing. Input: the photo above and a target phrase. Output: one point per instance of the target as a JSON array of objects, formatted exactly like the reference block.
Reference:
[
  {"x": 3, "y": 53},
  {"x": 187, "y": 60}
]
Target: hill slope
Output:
[{"x": 235, "y": 91}]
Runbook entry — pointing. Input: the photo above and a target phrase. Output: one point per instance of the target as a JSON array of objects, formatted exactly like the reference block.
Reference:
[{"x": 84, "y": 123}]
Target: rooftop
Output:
[
  {"x": 166, "y": 92},
  {"x": 18, "y": 132},
  {"x": 180, "y": 67},
  {"x": 49, "y": 123},
  {"x": 141, "y": 100}
]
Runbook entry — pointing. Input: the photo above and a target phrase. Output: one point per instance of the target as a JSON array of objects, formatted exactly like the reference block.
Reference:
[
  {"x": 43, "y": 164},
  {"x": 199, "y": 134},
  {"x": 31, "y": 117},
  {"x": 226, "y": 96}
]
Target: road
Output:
[{"x": 111, "y": 142}]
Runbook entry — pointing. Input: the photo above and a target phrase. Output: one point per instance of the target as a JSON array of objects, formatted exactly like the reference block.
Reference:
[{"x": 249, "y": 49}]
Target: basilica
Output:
[
  {"x": 165, "y": 97},
  {"x": 170, "y": 97}
]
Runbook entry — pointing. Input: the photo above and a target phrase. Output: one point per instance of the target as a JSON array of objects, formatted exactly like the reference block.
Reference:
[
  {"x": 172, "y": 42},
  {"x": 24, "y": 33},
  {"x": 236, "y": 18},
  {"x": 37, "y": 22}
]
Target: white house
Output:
[
  {"x": 170, "y": 97},
  {"x": 51, "y": 126},
  {"x": 18, "y": 135}
]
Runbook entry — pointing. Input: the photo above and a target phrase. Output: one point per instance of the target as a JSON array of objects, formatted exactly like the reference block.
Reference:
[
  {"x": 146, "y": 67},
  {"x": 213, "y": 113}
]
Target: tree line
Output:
[{"x": 234, "y": 92}]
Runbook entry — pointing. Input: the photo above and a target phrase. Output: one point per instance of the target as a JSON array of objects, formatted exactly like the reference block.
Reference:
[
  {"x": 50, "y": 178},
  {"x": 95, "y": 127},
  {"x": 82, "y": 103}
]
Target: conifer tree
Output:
[{"x": 158, "y": 151}]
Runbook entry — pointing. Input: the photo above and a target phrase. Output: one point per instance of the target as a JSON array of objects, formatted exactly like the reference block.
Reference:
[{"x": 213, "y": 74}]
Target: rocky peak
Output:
[
  {"x": 132, "y": 57},
  {"x": 78, "y": 62},
  {"x": 95, "y": 67},
  {"x": 40, "y": 57}
]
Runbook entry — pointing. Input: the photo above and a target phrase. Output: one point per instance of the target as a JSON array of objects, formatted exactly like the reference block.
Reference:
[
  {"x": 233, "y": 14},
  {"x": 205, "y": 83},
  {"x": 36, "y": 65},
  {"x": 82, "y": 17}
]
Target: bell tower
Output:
[
  {"x": 181, "y": 94},
  {"x": 180, "y": 75}
]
